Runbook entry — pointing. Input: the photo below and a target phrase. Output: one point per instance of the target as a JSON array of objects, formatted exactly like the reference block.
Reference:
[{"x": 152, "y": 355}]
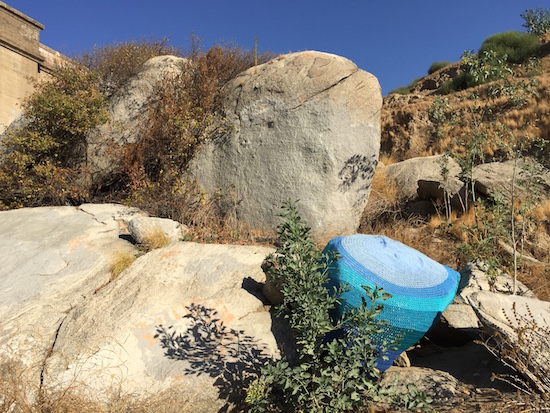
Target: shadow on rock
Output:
[{"x": 228, "y": 356}]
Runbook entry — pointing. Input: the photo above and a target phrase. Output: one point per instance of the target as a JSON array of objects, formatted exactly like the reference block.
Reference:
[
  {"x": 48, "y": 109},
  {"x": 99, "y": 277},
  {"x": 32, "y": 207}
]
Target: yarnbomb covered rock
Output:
[{"x": 421, "y": 288}]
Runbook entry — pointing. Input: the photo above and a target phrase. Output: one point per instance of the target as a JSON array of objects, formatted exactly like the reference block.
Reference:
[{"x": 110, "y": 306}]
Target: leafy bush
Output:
[
  {"x": 329, "y": 375},
  {"x": 43, "y": 158},
  {"x": 537, "y": 21},
  {"x": 437, "y": 66},
  {"x": 517, "y": 46},
  {"x": 477, "y": 69}
]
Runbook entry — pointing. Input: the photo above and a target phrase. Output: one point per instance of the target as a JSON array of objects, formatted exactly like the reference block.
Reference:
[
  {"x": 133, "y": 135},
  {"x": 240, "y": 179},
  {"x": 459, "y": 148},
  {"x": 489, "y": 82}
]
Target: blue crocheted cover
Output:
[{"x": 421, "y": 288}]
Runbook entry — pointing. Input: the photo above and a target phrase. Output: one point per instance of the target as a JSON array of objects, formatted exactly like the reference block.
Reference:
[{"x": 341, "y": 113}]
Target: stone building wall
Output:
[{"x": 23, "y": 61}]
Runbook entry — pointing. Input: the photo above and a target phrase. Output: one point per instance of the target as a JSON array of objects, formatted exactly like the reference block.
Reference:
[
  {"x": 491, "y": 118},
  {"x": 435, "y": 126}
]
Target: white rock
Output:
[
  {"x": 142, "y": 227},
  {"x": 305, "y": 126},
  {"x": 523, "y": 325},
  {"x": 138, "y": 332}
]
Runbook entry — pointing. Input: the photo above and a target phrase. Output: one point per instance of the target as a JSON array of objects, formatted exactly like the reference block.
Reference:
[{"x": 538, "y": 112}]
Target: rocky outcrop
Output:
[
  {"x": 305, "y": 126},
  {"x": 187, "y": 316},
  {"x": 423, "y": 178},
  {"x": 525, "y": 176},
  {"x": 128, "y": 109},
  {"x": 53, "y": 259}
]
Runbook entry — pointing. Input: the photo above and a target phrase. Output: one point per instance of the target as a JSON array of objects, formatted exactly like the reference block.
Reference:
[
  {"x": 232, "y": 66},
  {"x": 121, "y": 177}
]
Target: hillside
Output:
[{"x": 476, "y": 126}]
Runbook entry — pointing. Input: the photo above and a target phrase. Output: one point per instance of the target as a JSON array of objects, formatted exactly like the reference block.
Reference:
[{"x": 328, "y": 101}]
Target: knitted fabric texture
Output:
[{"x": 421, "y": 288}]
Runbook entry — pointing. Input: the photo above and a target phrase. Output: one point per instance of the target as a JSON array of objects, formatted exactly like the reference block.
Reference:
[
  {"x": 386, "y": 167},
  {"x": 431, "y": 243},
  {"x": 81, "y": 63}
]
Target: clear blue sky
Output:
[{"x": 396, "y": 40}]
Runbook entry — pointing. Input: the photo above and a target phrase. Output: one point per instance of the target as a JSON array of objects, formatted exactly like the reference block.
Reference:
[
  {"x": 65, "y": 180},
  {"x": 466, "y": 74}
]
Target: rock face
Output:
[
  {"x": 307, "y": 127},
  {"x": 127, "y": 110},
  {"x": 189, "y": 316},
  {"x": 51, "y": 268},
  {"x": 185, "y": 315}
]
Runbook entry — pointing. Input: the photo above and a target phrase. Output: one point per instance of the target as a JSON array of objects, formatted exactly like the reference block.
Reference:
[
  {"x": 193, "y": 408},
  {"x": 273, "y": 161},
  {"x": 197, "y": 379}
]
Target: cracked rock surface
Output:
[
  {"x": 53, "y": 259},
  {"x": 187, "y": 315},
  {"x": 304, "y": 126}
]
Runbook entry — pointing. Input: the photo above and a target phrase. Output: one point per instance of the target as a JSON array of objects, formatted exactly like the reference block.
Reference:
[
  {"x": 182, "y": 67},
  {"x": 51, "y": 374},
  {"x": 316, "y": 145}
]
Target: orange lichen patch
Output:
[
  {"x": 74, "y": 243},
  {"x": 168, "y": 254},
  {"x": 225, "y": 316},
  {"x": 175, "y": 313},
  {"x": 150, "y": 338}
]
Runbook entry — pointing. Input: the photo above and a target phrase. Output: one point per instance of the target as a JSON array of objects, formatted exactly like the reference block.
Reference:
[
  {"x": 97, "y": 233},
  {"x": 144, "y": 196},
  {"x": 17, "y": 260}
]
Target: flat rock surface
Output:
[
  {"x": 53, "y": 258},
  {"x": 188, "y": 315}
]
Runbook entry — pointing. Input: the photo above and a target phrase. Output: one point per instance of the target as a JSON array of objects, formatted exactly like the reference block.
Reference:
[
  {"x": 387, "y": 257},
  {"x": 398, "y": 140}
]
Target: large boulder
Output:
[
  {"x": 305, "y": 126},
  {"x": 128, "y": 109}
]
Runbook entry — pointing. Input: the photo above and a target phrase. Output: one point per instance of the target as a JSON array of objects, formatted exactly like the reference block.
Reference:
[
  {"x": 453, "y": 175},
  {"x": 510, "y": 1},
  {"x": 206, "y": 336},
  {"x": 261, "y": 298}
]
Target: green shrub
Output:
[
  {"x": 402, "y": 90},
  {"x": 437, "y": 66},
  {"x": 446, "y": 87},
  {"x": 517, "y": 46},
  {"x": 329, "y": 375},
  {"x": 42, "y": 160},
  {"x": 463, "y": 81},
  {"x": 537, "y": 21}
]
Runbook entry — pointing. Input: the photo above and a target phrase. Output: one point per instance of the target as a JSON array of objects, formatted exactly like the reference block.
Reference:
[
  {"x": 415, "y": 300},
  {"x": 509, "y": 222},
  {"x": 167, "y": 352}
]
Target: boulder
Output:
[
  {"x": 437, "y": 384},
  {"x": 421, "y": 178},
  {"x": 142, "y": 227},
  {"x": 53, "y": 259},
  {"x": 420, "y": 287},
  {"x": 304, "y": 126},
  {"x": 496, "y": 178},
  {"x": 128, "y": 108},
  {"x": 474, "y": 278},
  {"x": 519, "y": 328},
  {"x": 188, "y": 315},
  {"x": 459, "y": 322}
]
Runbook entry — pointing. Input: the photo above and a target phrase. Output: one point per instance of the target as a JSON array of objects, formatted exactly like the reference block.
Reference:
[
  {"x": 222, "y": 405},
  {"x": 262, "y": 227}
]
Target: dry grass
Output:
[
  {"x": 406, "y": 126},
  {"x": 21, "y": 392},
  {"x": 121, "y": 261},
  {"x": 155, "y": 238},
  {"x": 387, "y": 159}
]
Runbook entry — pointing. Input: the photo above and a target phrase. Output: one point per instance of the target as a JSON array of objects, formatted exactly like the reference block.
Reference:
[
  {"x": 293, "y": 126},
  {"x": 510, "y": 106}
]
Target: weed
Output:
[
  {"x": 525, "y": 349},
  {"x": 121, "y": 261},
  {"x": 154, "y": 238},
  {"x": 329, "y": 375},
  {"x": 537, "y": 21}
]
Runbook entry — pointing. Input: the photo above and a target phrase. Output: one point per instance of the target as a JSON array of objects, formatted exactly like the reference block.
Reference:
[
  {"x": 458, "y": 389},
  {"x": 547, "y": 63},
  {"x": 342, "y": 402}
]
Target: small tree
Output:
[{"x": 42, "y": 159}]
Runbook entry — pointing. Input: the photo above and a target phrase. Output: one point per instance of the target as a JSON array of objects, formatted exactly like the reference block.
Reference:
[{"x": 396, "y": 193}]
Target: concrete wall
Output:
[{"x": 23, "y": 61}]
